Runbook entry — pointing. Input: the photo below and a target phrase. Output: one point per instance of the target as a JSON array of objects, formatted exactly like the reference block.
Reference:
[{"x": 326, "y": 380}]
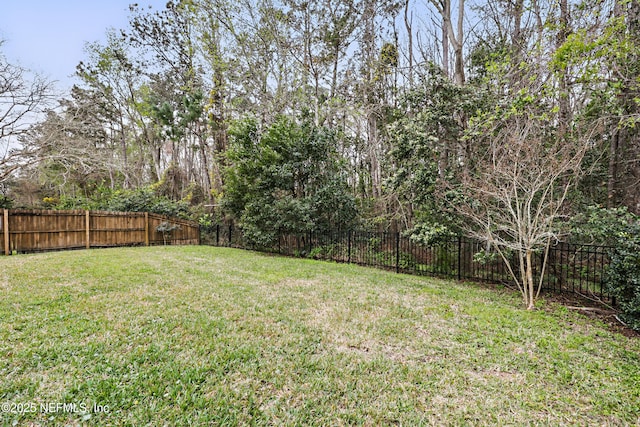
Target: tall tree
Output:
[
  {"x": 624, "y": 154},
  {"x": 112, "y": 80},
  {"x": 602, "y": 59},
  {"x": 166, "y": 43},
  {"x": 426, "y": 127}
]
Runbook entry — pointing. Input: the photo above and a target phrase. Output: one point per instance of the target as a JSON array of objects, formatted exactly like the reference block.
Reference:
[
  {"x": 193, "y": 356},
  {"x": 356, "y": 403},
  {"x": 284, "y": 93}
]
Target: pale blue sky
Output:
[{"x": 48, "y": 36}]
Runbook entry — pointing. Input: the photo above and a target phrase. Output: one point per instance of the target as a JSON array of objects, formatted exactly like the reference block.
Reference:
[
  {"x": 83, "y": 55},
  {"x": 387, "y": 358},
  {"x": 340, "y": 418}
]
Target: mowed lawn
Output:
[{"x": 214, "y": 336}]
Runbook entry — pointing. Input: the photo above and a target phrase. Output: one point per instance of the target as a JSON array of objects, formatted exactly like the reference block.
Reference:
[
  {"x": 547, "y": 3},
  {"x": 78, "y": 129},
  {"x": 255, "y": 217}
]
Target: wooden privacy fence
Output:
[{"x": 42, "y": 230}]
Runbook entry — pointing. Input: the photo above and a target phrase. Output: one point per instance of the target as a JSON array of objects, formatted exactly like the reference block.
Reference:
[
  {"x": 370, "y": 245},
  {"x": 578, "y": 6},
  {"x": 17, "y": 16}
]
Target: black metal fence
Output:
[{"x": 569, "y": 268}]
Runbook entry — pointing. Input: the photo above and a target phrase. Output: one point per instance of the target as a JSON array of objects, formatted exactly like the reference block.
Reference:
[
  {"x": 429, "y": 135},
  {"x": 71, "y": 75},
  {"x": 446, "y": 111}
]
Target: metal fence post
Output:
[
  {"x": 542, "y": 263},
  {"x": 397, "y": 252},
  {"x": 349, "y": 248},
  {"x": 459, "y": 257}
]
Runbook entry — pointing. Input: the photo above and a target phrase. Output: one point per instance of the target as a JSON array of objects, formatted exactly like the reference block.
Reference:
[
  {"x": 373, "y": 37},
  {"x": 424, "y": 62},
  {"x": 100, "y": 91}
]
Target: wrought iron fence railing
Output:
[{"x": 569, "y": 267}]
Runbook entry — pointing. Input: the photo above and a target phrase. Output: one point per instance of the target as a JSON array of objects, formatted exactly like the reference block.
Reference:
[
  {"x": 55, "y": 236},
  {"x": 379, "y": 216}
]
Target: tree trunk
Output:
[
  {"x": 612, "y": 179},
  {"x": 446, "y": 21},
  {"x": 530, "y": 286},
  {"x": 370, "y": 99},
  {"x": 408, "y": 25},
  {"x": 523, "y": 278},
  {"x": 458, "y": 44},
  {"x": 564, "y": 113},
  {"x": 449, "y": 36},
  {"x": 125, "y": 160},
  {"x": 516, "y": 35}
]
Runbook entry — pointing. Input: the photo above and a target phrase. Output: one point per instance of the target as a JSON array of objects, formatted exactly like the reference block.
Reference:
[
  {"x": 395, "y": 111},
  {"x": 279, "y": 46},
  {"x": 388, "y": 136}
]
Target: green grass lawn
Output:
[{"x": 214, "y": 336}]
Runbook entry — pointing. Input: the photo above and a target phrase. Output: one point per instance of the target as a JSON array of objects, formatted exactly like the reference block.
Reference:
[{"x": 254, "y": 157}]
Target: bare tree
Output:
[
  {"x": 70, "y": 149},
  {"x": 21, "y": 100},
  {"x": 514, "y": 194}
]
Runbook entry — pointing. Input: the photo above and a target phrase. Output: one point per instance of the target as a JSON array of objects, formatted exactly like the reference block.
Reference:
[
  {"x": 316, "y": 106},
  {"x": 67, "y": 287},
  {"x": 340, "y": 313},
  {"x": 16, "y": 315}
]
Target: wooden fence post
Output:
[
  {"x": 5, "y": 226},
  {"x": 146, "y": 228},
  {"x": 87, "y": 225}
]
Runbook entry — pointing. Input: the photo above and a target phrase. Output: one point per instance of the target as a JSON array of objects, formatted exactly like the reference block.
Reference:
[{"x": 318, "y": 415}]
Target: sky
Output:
[{"x": 49, "y": 36}]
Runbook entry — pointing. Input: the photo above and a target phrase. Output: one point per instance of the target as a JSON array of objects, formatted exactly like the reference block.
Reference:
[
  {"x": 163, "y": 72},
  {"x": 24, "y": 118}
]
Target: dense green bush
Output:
[
  {"x": 5, "y": 202},
  {"x": 623, "y": 275},
  {"x": 136, "y": 200},
  {"x": 599, "y": 226},
  {"x": 145, "y": 200},
  {"x": 618, "y": 229},
  {"x": 287, "y": 178}
]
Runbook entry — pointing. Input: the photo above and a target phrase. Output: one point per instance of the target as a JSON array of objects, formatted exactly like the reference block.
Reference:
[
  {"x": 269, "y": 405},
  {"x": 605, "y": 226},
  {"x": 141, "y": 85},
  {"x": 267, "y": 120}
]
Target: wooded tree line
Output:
[{"x": 414, "y": 114}]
